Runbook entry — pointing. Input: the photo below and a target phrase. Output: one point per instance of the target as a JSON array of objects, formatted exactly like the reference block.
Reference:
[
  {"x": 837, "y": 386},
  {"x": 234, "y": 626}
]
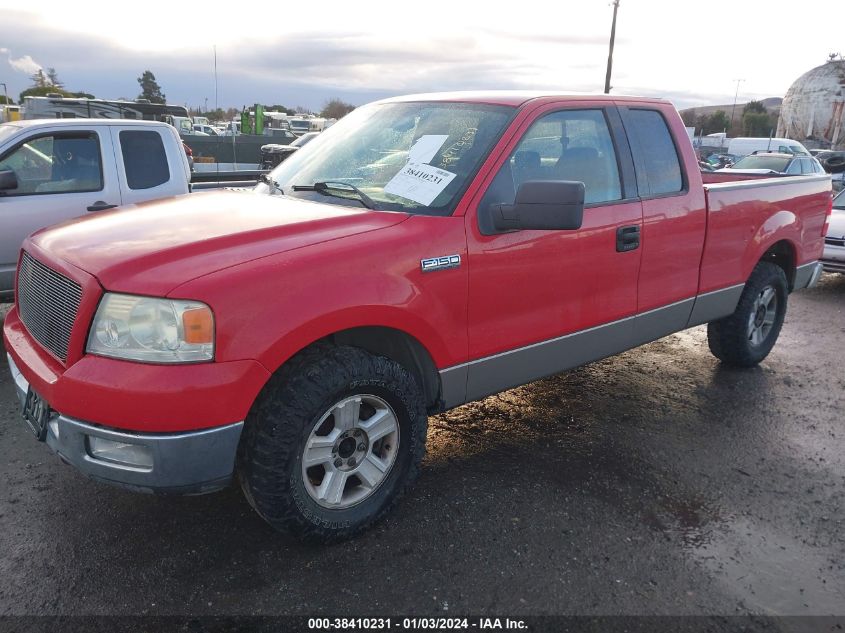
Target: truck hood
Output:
[{"x": 153, "y": 247}]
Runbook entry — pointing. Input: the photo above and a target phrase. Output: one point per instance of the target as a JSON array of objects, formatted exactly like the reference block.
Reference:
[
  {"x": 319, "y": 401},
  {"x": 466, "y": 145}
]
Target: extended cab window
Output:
[
  {"x": 56, "y": 163},
  {"x": 144, "y": 159},
  {"x": 658, "y": 152},
  {"x": 566, "y": 145}
]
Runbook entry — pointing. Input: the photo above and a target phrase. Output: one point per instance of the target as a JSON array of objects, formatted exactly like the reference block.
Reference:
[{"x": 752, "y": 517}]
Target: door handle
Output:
[
  {"x": 627, "y": 238},
  {"x": 101, "y": 206}
]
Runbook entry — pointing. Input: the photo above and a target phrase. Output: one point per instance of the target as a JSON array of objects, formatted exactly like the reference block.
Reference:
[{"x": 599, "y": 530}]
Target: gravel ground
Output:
[{"x": 655, "y": 482}]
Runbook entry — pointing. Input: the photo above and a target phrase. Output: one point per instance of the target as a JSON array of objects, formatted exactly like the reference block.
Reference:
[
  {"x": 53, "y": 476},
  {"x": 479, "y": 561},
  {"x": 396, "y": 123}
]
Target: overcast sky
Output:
[{"x": 300, "y": 53}]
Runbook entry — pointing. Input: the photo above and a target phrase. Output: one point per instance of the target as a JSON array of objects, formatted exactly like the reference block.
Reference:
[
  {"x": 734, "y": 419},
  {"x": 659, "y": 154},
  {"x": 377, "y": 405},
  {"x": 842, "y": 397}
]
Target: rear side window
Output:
[
  {"x": 659, "y": 155},
  {"x": 144, "y": 159}
]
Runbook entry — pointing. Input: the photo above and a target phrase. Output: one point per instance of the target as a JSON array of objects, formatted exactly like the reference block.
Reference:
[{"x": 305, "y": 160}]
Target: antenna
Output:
[{"x": 216, "y": 107}]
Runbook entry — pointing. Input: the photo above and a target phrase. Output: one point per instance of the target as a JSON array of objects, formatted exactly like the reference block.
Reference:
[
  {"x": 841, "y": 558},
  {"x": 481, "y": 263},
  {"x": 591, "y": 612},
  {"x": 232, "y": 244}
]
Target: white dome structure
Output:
[{"x": 813, "y": 109}]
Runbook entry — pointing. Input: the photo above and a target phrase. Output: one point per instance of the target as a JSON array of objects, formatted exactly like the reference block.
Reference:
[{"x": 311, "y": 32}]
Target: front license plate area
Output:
[{"x": 36, "y": 413}]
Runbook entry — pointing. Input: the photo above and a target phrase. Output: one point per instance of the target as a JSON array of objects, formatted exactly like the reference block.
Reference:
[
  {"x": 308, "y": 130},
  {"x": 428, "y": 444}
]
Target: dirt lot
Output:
[{"x": 656, "y": 482}]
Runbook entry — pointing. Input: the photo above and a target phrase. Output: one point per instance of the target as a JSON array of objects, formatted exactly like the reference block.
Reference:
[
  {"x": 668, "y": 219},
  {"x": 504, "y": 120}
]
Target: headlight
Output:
[{"x": 152, "y": 330}]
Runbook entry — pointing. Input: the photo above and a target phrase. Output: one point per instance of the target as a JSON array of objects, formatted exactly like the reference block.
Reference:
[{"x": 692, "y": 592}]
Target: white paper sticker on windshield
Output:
[
  {"x": 418, "y": 182},
  {"x": 426, "y": 147}
]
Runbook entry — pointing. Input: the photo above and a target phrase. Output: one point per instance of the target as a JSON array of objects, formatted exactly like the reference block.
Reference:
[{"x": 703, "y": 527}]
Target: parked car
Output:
[
  {"x": 204, "y": 129},
  {"x": 282, "y": 135},
  {"x": 834, "y": 241},
  {"x": 301, "y": 340},
  {"x": 56, "y": 169},
  {"x": 772, "y": 163},
  {"x": 274, "y": 153},
  {"x": 743, "y": 146}
]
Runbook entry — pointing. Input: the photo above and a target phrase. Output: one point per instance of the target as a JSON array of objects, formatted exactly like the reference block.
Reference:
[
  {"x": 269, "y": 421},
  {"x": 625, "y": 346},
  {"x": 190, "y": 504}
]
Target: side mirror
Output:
[
  {"x": 8, "y": 180},
  {"x": 544, "y": 205}
]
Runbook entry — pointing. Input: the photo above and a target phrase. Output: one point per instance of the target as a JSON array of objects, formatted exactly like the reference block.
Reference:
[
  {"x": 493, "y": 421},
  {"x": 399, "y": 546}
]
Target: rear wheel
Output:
[
  {"x": 746, "y": 337},
  {"x": 332, "y": 443}
]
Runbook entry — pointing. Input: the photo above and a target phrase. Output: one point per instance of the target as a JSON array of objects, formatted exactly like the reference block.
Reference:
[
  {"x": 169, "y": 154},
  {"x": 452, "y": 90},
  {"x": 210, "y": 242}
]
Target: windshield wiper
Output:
[
  {"x": 327, "y": 188},
  {"x": 267, "y": 180}
]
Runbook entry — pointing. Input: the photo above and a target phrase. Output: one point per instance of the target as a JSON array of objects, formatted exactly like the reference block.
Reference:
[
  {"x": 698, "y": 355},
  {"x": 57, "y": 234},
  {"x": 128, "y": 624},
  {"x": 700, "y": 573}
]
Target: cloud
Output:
[
  {"x": 555, "y": 38},
  {"x": 23, "y": 64}
]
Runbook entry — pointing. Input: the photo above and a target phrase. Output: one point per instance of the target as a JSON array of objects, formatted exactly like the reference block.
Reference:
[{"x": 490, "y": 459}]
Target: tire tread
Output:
[
  {"x": 288, "y": 402},
  {"x": 727, "y": 337}
]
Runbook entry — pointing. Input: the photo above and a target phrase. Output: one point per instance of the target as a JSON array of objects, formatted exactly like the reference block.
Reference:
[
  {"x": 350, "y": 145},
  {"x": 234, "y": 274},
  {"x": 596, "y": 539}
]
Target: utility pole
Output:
[
  {"x": 736, "y": 94},
  {"x": 5, "y": 92},
  {"x": 610, "y": 52}
]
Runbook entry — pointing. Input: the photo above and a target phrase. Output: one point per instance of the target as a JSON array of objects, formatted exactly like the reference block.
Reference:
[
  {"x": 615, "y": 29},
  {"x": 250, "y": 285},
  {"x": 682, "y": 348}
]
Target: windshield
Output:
[
  {"x": 775, "y": 163},
  {"x": 839, "y": 200},
  {"x": 412, "y": 157}
]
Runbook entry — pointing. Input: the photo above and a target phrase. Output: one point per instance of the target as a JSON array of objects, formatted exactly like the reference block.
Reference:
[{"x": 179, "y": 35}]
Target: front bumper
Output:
[{"x": 184, "y": 462}]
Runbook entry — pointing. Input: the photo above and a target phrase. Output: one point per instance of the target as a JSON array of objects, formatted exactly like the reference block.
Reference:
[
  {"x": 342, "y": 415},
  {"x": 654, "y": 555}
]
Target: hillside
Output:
[{"x": 772, "y": 104}]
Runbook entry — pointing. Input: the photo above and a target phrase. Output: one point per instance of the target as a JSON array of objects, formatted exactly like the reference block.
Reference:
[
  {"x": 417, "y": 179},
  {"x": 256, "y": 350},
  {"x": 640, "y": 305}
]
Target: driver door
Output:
[{"x": 543, "y": 301}]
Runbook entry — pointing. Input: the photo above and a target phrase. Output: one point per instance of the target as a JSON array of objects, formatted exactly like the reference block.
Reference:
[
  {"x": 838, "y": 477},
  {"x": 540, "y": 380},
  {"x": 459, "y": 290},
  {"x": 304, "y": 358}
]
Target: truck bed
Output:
[{"x": 748, "y": 214}]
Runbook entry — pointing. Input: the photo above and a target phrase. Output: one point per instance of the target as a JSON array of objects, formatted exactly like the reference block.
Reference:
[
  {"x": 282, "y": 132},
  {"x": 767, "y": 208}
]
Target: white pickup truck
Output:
[{"x": 56, "y": 169}]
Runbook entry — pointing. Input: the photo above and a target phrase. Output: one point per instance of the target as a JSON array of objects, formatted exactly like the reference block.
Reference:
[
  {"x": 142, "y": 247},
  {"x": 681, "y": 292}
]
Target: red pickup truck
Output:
[{"x": 423, "y": 252}]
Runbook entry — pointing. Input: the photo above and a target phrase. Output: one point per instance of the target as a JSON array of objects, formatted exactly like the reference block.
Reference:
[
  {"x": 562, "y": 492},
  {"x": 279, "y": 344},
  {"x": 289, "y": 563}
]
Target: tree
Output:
[
  {"x": 277, "y": 108},
  {"x": 53, "y": 78},
  {"x": 301, "y": 110},
  {"x": 6, "y": 100},
  {"x": 39, "y": 79},
  {"x": 754, "y": 107},
  {"x": 150, "y": 88},
  {"x": 212, "y": 115},
  {"x": 336, "y": 109},
  {"x": 757, "y": 123},
  {"x": 689, "y": 117},
  {"x": 43, "y": 91},
  {"x": 719, "y": 121}
]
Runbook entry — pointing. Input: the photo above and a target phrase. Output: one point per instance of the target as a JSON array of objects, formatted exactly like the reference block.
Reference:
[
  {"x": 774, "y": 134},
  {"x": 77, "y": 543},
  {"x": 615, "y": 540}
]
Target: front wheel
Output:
[
  {"x": 332, "y": 443},
  {"x": 746, "y": 337}
]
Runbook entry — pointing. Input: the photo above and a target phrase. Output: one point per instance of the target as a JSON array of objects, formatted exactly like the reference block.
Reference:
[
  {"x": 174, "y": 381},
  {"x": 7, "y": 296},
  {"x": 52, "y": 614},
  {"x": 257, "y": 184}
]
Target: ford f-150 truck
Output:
[{"x": 423, "y": 252}]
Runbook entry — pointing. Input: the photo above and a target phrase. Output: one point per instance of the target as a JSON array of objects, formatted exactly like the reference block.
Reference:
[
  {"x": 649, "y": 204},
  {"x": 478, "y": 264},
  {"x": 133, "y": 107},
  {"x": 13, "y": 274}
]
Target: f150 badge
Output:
[{"x": 440, "y": 263}]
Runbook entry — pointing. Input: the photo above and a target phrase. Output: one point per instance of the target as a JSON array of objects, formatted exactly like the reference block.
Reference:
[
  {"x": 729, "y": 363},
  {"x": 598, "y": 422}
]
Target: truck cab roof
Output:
[
  {"x": 514, "y": 97},
  {"x": 29, "y": 123}
]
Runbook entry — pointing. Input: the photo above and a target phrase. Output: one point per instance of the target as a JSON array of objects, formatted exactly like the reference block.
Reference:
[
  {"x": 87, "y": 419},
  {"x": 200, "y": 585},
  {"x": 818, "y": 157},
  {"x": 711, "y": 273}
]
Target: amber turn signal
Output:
[{"x": 198, "y": 324}]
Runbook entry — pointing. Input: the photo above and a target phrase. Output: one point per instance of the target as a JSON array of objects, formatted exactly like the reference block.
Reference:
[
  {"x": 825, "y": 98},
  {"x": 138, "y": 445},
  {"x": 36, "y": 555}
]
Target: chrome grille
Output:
[
  {"x": 832, "y": 241},
  {"x": 47, "y": 304}
]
